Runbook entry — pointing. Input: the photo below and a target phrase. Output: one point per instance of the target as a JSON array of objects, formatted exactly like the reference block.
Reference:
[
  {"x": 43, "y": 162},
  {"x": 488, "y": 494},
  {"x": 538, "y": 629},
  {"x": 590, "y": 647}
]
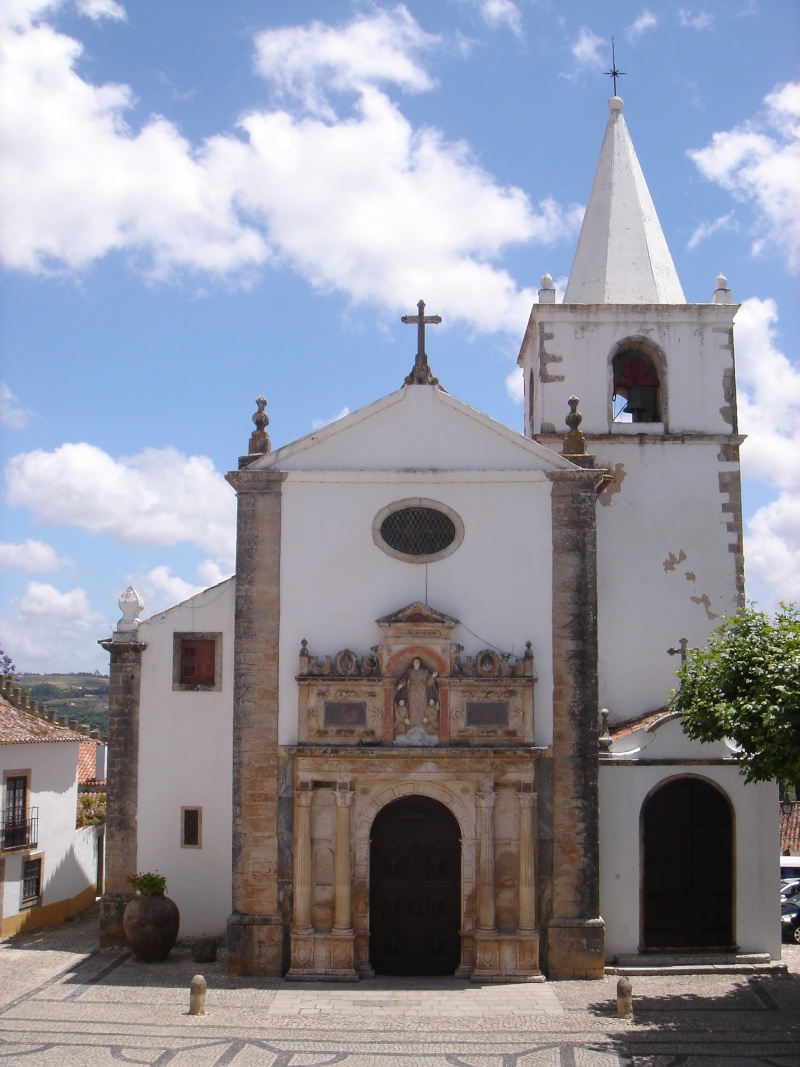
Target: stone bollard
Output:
[
  {"x": 197, "y": 995},
  {"x": 624, "y": 998}
]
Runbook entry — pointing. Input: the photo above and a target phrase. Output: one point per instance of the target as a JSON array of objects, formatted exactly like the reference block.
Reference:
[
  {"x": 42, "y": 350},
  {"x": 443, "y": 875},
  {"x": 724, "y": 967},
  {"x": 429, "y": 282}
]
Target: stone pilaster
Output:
[
  {"x": 256, "y": 926},
  {"x": 526, "y": 802},
  {"x": 576, "y": 939},
  {"x": 302, "y": 863},
  {"x": 124, "y": 688},
  {"x": 342, "y": 901},
  {"x": 486, "y": 899}
]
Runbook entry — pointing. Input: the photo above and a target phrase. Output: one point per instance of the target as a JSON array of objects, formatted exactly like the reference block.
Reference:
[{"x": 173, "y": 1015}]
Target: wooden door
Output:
[
  {"x": 415, "y": 889},
  {"x": 688, "y": 868}
]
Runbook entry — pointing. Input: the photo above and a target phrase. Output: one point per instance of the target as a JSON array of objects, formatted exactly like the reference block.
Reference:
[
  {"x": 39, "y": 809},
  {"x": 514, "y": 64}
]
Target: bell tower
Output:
[{"x": 655, "y": 380}]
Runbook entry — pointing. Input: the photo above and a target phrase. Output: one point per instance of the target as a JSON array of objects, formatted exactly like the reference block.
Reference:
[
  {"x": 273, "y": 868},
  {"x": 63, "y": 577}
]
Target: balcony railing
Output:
[{"x": 18, "y": 830}]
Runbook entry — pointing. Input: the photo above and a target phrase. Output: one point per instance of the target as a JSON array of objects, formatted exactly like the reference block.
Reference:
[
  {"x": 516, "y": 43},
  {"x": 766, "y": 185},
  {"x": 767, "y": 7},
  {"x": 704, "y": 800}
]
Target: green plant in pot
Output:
[{"x": 151, "y": 920}]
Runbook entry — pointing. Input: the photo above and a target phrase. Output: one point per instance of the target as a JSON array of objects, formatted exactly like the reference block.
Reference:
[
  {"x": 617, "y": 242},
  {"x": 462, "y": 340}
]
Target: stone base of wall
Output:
[
  {"x": 112, "y": 908},
  {"x": 576, "y": 948},
  {"x": 323, "y": 957},
  {"x": 255, "y": 946},
  {"x": 506, "y": 957},
  {"x": 32, "y": 918}
]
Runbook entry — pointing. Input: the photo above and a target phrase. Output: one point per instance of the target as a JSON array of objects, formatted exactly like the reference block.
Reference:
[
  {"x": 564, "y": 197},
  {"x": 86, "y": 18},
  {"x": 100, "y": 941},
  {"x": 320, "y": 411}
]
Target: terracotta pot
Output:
[{"x": 151, "y": 927}]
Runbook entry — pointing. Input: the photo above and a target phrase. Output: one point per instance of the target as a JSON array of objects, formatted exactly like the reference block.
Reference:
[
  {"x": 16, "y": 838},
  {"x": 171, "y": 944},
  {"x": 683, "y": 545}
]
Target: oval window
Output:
[{"x": 418, "y": 531}]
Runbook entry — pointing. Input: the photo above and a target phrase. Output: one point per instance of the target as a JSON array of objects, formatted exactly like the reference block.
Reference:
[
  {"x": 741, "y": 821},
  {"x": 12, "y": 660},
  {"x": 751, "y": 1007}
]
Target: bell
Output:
[{"x": 636, "y": 401}]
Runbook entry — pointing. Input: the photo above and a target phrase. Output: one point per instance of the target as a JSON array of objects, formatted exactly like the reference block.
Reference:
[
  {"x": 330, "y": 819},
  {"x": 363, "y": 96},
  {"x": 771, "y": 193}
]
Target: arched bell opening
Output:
[
  {"x": 415, "y": 889},
  {"x": 637, "y": 373},
  {"x": 687, "y": 868}
]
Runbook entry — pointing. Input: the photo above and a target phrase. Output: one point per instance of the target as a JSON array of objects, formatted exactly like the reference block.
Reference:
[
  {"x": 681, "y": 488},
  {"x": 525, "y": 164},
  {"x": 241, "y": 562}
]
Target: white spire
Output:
[{"x": 622, "y": 256}]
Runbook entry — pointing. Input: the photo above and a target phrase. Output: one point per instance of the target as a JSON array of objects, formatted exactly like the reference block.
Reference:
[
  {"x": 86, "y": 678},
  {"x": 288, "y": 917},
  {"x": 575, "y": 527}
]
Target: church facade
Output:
[{"x": 423, "y": 729}]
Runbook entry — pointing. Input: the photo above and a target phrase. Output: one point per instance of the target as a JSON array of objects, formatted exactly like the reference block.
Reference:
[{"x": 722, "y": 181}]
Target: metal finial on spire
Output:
[
  {"x": 614, "y": 73},
  {"x": 421, "y": 372}
]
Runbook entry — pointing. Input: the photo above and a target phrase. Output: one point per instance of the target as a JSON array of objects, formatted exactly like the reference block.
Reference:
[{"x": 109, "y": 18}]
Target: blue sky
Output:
[{"x": 202, "y": 202}]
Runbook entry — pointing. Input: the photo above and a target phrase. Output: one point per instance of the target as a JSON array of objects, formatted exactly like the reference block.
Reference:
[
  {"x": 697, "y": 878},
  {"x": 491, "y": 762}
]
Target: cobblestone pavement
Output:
[{"x": 64, "y": 1003}]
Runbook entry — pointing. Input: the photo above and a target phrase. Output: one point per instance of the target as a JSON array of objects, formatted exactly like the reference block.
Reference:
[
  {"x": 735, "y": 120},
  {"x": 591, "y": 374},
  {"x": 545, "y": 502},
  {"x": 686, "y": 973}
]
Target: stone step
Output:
[{"x": 694, "y": 963}]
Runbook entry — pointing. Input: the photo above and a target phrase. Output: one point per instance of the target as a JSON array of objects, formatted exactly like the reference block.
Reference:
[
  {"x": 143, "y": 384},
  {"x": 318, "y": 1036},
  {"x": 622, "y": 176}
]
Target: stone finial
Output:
[
  {"x": 259, "y": 439},
  {"x": 131, "y": 605},
  {"x": 547, "y": 294},
  {"x": 722, "y": 294},
  {"x": 574, "y": 441}
]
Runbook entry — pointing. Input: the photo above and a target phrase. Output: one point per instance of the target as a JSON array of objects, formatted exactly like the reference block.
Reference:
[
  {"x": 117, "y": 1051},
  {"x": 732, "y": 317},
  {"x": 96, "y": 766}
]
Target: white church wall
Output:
[
  {"x": 623, "y": 790},
  {"x": 665, "y": 569},
  {"x": 185, "y": 753},
  {"x": 337, "y": 582}
]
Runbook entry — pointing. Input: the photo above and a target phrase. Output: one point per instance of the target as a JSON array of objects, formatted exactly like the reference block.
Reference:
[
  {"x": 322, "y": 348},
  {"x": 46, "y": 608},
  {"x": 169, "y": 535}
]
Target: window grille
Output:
[
  {"x": 418, "y": 531},
  {"x": 31, "y": 880}
]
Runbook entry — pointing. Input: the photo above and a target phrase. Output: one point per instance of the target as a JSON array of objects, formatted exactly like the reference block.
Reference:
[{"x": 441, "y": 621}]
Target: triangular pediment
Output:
[
  {"x": 417, "y": 613},
  {"x": 417, "y": 428}
]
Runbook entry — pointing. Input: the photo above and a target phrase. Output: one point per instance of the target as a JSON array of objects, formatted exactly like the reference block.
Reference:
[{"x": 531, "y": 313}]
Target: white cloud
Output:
[
  {"x": 589, "y": 51},
  {"x": 317, "y": 424},
  {"x": 30, "y": 555},
  {"x": 769, "y": 413},
  {"x": 159, "y": 496},
  {"x": 307, "y": 62},
  {"x": 101, "y": 9},
  {"x": 706, "y": 229},
  {"x": 160, "y": 589},
  {"x": 11, "y": 413},
  {"x": 691, "y": 20},
  {"x": 758, "y": 163},
  {"x": 515, "y": 385},
  {"x": 498, "y": 13},
  {"x": 50, "y": 630},
  {"x": 338, "y": 200},
  {"x": 45, "y": 601},
  {"x": 646, "y": 21}
]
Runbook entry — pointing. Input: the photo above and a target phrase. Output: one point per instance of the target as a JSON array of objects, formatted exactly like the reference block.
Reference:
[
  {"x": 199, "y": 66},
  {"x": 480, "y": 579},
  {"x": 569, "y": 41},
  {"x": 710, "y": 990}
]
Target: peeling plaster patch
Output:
[
  {"x": 546, "y": 358},
  {"x": 728, "y": 410},
  {"x": 689, "y": 576},
  {"x": 730, "y": 486},
  {"x": 672, "y": 561},
  {"x": 614, "y": 486},
  {"x": 706, "y": 602}
]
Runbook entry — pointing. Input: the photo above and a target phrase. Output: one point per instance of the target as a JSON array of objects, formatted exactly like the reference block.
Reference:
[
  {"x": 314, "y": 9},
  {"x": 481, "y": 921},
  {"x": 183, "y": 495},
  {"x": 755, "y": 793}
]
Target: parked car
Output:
[
  {"x": 790, "y": 888},
  {"x": 790, "y": 922}
]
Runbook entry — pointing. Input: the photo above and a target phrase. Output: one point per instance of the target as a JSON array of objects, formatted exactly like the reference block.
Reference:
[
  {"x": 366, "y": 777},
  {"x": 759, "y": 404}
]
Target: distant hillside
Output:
[{"x": 82, "y": 696}]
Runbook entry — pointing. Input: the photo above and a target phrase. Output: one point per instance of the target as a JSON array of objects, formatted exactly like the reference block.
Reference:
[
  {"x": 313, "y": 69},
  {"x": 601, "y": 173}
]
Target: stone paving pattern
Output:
[{"x": 66, "y": 1003}]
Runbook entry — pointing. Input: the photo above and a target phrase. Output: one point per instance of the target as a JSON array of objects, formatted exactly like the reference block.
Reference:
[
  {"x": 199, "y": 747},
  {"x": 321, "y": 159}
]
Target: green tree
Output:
[{"x": 745, "y": 685}]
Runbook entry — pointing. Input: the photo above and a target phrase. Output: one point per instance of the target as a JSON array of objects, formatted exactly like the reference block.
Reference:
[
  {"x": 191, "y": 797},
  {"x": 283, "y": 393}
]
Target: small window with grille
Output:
[
  {"x": 418, "y": 531},
  {"x": 31, "y": 881},
  {"x": 191, "y": 827}
]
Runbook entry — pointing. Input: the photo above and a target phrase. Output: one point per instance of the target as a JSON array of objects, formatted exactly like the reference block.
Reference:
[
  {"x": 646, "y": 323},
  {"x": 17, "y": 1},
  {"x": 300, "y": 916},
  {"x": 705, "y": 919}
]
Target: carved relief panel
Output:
[{"x": 415, "y": 689}]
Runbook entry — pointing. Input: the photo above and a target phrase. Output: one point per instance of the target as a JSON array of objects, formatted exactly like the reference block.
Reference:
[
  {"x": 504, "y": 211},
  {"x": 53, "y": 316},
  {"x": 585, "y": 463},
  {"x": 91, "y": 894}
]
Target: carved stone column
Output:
[
  {"x": 486, "y": 910},
  {"x": 527, "y": 868},
  {"x": 302, "y": 862},
  {"x": 342, "y": 899}
]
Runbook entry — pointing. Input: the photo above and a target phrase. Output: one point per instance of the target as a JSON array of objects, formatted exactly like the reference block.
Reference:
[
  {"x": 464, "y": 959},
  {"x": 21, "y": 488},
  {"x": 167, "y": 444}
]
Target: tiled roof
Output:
[
  {"x": 87, "y": 762},
  {"x": 642, "y": 722},
  {"x": 21, "y": 728},
  {"x": 790, "y": 830}
]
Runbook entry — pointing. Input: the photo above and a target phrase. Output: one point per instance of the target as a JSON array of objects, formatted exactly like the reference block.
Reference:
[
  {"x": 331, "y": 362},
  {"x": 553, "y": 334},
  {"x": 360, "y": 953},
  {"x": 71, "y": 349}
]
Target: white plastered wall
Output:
[
  {"x": 53, "y": 789},
  {"x": 336, "y": 581},
  {"x": 185, "y": 760},
  {"x": 623, "y": 790},
  {"x": 664, "y": 564}
]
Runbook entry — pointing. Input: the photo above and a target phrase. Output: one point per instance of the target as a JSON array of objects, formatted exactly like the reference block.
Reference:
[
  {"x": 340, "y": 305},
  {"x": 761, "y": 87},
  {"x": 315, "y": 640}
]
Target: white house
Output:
[
  {"x": 379, "y": 747},
  {"x": 48, "y": 868}
]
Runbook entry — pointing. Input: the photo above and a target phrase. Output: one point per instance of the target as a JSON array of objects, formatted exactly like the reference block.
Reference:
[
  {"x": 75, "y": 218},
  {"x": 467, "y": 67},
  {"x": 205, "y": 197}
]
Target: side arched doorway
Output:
[
  {"x": 687, "y": 894},
  {"x": 415, "y": 888}
]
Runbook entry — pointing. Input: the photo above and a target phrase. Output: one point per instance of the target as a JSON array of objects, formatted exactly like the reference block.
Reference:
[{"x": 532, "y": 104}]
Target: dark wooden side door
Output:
[
  {"x": 415, "y": 889},
  {"x": 688, "y": 868}
]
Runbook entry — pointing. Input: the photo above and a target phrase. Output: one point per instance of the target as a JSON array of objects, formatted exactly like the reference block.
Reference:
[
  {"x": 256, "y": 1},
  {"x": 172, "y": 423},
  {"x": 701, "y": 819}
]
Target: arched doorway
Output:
[
  {"x": 688, "y": 868},
  {"x": 415, "y": 888}
]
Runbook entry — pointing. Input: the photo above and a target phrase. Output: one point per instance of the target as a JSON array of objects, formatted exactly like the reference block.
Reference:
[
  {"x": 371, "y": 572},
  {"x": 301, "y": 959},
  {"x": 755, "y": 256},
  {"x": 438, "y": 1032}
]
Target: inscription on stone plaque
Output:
[
  {"x": 345, "y": 713},
  {"x": 487, "y": 713}
]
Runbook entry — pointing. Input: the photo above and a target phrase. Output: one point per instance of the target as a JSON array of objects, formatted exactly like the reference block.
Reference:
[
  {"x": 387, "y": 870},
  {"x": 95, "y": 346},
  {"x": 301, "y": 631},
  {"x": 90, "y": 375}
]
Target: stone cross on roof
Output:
[{"x": 421, "y": 372}]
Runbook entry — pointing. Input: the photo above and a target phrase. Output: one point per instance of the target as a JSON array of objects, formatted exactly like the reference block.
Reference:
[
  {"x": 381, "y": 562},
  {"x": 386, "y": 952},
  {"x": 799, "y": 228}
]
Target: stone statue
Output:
[{"x": 416, "y": 706}]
